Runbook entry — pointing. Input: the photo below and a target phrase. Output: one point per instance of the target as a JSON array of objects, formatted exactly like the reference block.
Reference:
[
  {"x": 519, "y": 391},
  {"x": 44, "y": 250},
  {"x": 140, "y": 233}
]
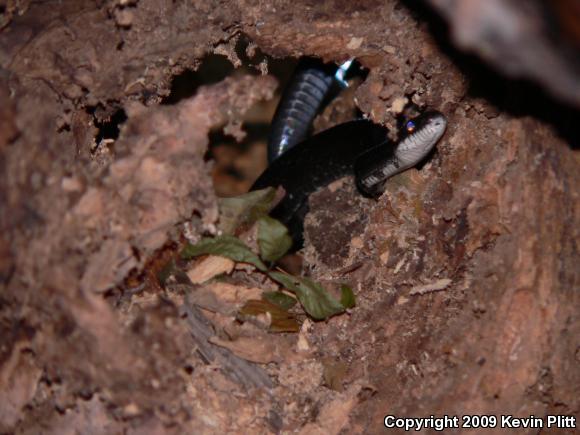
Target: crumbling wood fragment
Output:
[{"x": 247, "y": 374}]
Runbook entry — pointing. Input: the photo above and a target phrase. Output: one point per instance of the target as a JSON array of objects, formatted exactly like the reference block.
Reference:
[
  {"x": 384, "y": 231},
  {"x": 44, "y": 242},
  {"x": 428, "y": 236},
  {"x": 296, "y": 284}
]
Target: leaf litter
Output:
[{"x": 244, "y": 315}]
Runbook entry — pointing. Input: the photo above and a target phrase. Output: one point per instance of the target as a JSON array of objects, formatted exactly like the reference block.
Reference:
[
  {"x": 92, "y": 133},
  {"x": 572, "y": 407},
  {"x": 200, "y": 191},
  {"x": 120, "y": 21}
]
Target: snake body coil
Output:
[
  {"x": 310, "y": 87},
  {"x": 315, "y": 163},
  {"x": 360, "y": 148}
]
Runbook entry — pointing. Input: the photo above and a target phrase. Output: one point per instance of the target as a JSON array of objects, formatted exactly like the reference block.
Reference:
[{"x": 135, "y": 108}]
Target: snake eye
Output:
[{"x": 410, "y": 126}]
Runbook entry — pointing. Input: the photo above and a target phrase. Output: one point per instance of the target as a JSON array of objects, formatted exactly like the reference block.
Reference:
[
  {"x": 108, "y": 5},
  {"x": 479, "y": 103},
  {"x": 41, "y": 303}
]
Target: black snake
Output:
[{"x": 361, "y": 148}]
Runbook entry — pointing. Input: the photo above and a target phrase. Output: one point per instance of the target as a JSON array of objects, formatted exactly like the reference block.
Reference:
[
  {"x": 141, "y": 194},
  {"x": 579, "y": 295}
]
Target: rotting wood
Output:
[{"x": 496, "y": 210}]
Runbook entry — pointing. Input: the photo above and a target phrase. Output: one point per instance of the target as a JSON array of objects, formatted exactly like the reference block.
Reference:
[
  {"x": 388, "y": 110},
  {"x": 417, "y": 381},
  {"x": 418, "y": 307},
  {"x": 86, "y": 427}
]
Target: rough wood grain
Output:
[{"x": 496, "y": 211}]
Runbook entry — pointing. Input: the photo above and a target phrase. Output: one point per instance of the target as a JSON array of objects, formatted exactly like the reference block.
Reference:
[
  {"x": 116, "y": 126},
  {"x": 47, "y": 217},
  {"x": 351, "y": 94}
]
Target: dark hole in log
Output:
[
  {"x": 238, "y": 161},
  {"x": 110, "y": 129},
  {"x": 213, "y": 69}
]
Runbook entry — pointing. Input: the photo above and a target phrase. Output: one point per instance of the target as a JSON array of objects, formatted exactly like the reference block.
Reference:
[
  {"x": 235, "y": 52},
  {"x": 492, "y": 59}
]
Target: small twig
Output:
[
  {"x": 351, "y": 268},
  {"x": 440, "y": 284}
]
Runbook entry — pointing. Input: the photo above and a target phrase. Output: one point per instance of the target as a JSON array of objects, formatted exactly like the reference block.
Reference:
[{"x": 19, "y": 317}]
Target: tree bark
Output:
[{"x": 466, "y": 270}]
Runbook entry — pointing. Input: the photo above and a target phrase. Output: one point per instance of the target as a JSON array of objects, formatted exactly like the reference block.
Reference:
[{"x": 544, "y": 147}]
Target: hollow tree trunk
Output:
[{"x": 466, "y": 271}]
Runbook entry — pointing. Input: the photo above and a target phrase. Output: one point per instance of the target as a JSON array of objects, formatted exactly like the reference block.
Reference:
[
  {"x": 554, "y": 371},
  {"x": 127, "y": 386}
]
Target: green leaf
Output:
[
  {"x": 273, "y": 238},
  {"x": 347, "y": 296},
  {"x": 283, "y": 300},
  {"x": 317, "y": 302},
  {"x": 224, "y": 246},
  {"x": 244, "y": 209},
  {"x": 282, "y": 320}
]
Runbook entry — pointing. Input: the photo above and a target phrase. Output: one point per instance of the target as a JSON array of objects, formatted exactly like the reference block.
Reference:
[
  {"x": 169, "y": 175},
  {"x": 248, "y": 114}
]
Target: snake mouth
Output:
[{"x": 435, "y": 126}]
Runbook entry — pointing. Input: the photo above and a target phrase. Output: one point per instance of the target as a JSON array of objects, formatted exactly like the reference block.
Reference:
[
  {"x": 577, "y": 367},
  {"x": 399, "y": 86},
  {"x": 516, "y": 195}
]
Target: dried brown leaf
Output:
[
  {"x": 224, "y": 298},
  {"x": 261, "y": 350},
  {"x": 280, "y": 319},
  {"x": 210, "y": 267}
]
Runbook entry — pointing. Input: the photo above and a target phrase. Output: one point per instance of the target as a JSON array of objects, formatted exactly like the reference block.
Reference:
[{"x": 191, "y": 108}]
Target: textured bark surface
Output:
[{"x": 466, "y": 270}]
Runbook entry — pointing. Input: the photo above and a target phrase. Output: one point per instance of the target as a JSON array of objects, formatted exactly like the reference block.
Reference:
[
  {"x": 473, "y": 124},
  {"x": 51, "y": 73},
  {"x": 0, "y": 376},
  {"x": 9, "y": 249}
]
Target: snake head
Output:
[
  {"x": 420, "y": 136},
  {"x": 431, "y": 120}
]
